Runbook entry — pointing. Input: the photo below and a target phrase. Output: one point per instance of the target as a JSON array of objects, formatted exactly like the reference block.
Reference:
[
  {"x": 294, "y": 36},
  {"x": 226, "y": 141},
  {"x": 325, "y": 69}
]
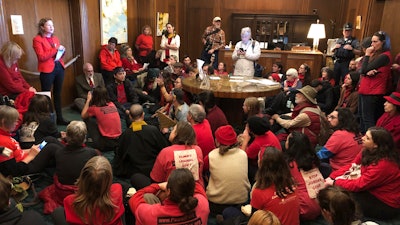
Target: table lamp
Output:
[{"x": 316, "y": 32}]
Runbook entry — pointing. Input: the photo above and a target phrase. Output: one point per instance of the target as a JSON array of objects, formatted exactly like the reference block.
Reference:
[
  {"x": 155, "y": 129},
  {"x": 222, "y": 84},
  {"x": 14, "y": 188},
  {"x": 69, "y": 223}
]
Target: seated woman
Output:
[
  {"x": 253, "y": 106},
  {"x": 228, "y": 183},
  {"x": 185, "y": 201},
  {"x": 183, "y": 139},
  {"x": 285, "y": 100},
  {"x": 215, "y": 115},
  {"x": 305, "y": 74},
  {"x": 304, "y": 163},
  {"x": 327, "y": 75},
  {"x": 274, "y": 189},
  {"x": 348, "y": 92},
  {"x": 261, "y": 217},
  {"x": 97, "y": 200},
  {"x": 221, "y": 70},
  {"x": 276, "y": 73},
  {"x": 263, "y": 136},
  {"x": 12, "y": 82},
  {"x": 129, "y": 63},
  {"x": 13, "y": 159},
  {"x": 374, "y": 176},
  {"x": 345, "y": 143},
  {"x": 10, "y": 213},
  {"x": 305, "y": 117},
  {"x": 37, "y": 123},
  {"x": 390, "y": 120},
  {"x": 338, "y": 206},
  {"x": 102, "y": 118},
  {"x": 69, "y": 160}
]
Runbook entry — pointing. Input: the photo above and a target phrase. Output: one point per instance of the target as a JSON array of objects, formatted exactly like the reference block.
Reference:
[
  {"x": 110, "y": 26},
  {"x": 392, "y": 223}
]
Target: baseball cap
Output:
[
  {"x": 217, "y": 18},
  {"x": 348, "y": 26}
]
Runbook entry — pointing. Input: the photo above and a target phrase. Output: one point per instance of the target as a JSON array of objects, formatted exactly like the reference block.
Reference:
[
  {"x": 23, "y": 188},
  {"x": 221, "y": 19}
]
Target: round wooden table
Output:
[{"x": 231, "y": 92}]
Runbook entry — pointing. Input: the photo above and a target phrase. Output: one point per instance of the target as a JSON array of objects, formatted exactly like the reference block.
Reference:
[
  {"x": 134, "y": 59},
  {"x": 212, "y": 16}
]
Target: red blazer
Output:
[{"x": 46, "y": 53}]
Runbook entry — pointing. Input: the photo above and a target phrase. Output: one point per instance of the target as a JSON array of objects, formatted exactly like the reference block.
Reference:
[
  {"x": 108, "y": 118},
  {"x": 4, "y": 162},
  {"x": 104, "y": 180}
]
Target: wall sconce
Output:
[{"x": 316, "y": 32}]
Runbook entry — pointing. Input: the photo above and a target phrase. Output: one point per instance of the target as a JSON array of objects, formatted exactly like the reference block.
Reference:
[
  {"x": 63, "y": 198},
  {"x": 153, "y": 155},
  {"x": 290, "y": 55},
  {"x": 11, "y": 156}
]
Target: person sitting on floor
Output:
[
  {"x": 69, "y": 160},
  {"x": 10, "y": 213},
  {"x": 196, "y": 116},
  {"x": 13, "y": 160},
  {"x": 85, "y": 83},
  {"x": 390, "y": 120},
  {"x": 374, "y": 176},
  {"x": 110, "y": 59},
  {"x": 102, "y": 119},
  {"x": 349, "y": 92},
  {"x": 215, "y": 116},
  {"x": 305, "y": 117},
  {"x": 183, "y": 139},
  {"x": 138, "y": 148},
  {"x": 228, "y": 183},
  {"x": 97, "y": 200},
  {"x": 185, "y": 201}
]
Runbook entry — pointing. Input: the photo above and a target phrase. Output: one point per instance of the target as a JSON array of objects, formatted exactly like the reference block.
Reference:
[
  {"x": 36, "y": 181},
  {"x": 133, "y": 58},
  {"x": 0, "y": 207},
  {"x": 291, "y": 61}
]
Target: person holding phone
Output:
[{"x": 246, "y": 52}]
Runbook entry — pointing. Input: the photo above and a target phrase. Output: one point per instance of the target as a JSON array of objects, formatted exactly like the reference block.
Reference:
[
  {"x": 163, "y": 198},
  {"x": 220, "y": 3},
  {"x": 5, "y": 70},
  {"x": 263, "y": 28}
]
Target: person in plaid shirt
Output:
[{"x": 213, "y": 39}]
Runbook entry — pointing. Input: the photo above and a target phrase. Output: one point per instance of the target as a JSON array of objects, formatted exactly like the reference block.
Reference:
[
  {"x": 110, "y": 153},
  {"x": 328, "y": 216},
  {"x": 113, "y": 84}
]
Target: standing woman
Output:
[
  {"x": 170, "y": 43},
  {"x": 375, "y": 76},
  {"x": 246, "y": 52},
  {"x": 47, "y": 47},
  {"x": 144, "y": 44}
]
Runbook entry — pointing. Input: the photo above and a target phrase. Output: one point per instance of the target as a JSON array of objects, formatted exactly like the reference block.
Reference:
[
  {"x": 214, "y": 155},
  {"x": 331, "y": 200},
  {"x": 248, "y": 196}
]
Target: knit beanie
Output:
[{"x": 225, "y": 135}]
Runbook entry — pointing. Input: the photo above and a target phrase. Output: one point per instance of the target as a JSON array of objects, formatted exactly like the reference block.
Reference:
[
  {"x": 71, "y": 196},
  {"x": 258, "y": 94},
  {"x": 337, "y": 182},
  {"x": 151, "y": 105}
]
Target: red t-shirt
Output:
[
  {"x": 268, "y": 139},
  {"x": 345, "y": 146},
  {"x": 108, "y": 120},
  {"x": 286, "y": 209}
]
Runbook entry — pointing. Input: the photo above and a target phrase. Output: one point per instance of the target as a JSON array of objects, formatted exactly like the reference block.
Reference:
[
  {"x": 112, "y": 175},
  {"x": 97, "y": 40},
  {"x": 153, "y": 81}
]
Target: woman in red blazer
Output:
[{"x": 49, "y": 52}]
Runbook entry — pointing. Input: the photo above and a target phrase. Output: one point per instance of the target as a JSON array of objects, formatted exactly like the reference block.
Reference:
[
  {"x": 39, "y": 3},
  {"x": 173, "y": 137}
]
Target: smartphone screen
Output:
[{"x": 41, "y": 145}]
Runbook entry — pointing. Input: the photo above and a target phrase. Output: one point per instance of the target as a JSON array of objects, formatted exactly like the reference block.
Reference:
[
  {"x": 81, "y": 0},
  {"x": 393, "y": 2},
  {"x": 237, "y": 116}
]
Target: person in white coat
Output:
[
  {"x": 246, "y": 52},
  {"x": 170, "y": 43}
]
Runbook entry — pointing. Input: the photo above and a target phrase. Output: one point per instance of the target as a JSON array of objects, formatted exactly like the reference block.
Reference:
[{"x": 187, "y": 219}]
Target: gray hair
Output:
[
  {"x": 292, "y": 72},
  {"x": 76, "y": 133},
  {"x": 198, "y": 113}
]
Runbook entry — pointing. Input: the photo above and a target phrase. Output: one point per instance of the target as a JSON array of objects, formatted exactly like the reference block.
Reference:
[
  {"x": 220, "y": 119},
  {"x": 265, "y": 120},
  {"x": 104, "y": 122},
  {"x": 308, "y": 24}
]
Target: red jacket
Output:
[
  {"x": 381, "y": 179},
  {"x": 392, "y": 124},
  {"x": 378, "y": 84},
  {"x": 109, "y": 61},
  {"x": 12, "y": 81},
  {"x": 46, "y": 53}
]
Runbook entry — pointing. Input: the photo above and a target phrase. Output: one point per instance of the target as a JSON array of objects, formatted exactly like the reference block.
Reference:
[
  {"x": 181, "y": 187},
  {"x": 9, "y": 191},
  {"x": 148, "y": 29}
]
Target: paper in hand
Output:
[{"x": 60, "y": 53}]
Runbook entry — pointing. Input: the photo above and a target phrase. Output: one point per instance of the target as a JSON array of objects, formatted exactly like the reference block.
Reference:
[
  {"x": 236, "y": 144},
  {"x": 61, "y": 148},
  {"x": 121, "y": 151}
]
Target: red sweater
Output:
[
  {"x": 11, "y": 78},
  {"x": 145, "y": 44},
  {"x": 381, "y": 179},
  {"x": 116, "y": 196}
]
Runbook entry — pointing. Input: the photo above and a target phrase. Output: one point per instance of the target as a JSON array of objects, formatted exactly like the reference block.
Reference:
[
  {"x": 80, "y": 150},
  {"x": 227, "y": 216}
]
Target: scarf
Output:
[
  {"x": 297, "y": 109},
  {"x": 137, "y": 125}
]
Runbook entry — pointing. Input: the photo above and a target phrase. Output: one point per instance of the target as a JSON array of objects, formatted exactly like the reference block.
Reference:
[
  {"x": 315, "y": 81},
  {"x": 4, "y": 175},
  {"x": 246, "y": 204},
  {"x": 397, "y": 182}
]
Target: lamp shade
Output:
[{"x": 317, "y": 30}]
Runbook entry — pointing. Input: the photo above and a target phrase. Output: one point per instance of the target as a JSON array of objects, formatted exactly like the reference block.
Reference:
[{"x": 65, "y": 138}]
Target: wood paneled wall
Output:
[{"x": 77, "y": 23}]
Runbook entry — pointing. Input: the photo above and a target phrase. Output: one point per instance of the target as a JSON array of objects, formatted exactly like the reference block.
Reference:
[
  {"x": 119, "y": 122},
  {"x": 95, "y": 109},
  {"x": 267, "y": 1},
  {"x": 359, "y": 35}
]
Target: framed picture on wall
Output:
[
  {"x": 113, "y": 20},
  {"x": 162, "y": 20}
]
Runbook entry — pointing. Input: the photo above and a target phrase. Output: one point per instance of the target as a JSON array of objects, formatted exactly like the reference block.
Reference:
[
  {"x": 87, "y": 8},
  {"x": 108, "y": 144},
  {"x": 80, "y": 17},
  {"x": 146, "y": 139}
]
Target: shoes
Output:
[{"x": 62, "y": 121}]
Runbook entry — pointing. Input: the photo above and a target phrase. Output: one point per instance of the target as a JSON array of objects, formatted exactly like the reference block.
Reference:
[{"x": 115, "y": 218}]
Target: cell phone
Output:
[
  {"x": 41, "y": 145},
  {"x": 241, "y": 49}
]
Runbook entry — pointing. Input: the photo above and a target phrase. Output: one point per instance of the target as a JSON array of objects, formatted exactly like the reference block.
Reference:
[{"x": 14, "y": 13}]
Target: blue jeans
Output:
[
  {"x": 370, "y": 108},
  {"x": 55, "y": 79}
]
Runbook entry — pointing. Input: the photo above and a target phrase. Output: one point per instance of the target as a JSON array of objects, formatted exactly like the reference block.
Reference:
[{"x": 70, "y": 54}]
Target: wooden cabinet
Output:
[
  {"x": 274, "y": 29},
  {"x": 289, "y": 59}
]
